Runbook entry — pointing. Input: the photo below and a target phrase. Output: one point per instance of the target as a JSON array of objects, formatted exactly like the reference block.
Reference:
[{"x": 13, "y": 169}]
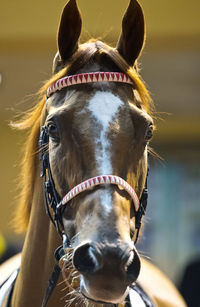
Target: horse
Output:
[{"x": 87, "y": 151}]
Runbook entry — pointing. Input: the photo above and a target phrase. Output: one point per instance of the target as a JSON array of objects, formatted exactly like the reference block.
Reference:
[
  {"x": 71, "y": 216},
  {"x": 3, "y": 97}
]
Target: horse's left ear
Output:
[
  {"x": 69, "y": 30},
  {"x": 133, "y": 33}
]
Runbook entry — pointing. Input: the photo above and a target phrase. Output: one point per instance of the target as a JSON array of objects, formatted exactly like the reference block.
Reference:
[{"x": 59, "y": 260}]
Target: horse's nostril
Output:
[
  {"x": 132, "y": 267},
  {"x": 84, "y": 259}
]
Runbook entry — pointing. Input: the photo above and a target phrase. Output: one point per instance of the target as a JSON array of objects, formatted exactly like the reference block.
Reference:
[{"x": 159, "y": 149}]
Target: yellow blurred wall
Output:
[{"x": 27, "y": 19}]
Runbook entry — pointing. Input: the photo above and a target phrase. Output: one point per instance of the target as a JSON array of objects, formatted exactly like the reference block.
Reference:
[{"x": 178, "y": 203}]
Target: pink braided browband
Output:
[
  {"x": 103, "y": 179},
  {"x": 88, "y": 78}
]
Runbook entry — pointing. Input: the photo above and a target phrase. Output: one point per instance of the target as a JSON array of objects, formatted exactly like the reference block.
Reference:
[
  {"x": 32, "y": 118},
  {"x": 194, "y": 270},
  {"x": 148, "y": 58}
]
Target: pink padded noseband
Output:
[
  {"x": 103, "y": 179},
  {"x": 88, "y": 78}
]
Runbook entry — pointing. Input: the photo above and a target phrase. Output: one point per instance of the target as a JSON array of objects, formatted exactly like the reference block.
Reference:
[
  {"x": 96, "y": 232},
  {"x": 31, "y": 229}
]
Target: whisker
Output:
[
  {"x": 70, "y": 293},
  {"x": 74, "y": 273},
  {"x": 64, "y": 289},
  {"x": 62, "y": 282},
  {"x": 69, "y": 302}
]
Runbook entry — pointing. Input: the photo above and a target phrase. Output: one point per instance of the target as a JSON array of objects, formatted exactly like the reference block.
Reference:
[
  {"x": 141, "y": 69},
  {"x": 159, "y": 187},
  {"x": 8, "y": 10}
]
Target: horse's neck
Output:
[{"x": 37, "y": 257}]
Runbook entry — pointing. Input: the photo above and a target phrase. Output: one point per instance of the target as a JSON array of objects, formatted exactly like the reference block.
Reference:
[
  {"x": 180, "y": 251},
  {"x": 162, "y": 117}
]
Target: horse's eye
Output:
[
  {"x": 52, "y": 130},
  {"x": 149, "y": 133}
]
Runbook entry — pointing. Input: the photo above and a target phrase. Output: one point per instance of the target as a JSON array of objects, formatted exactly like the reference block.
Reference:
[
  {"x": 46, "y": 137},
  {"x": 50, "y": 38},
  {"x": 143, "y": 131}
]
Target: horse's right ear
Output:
[
  {"x": 131, "y": 41},
  {"x": 69, "y": 30}
]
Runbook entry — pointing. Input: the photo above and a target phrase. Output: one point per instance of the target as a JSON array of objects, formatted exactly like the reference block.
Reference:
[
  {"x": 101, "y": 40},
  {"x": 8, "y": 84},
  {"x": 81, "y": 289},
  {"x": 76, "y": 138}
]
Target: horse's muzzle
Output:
[{"x": 106, "y": 270}]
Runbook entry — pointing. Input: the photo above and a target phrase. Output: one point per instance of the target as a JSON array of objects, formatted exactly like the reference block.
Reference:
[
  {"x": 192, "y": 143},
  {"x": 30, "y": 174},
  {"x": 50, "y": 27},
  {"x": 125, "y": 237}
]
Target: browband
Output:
[
  {"x": 103, "y": 179},
  {"x": 88, "y": 78}
]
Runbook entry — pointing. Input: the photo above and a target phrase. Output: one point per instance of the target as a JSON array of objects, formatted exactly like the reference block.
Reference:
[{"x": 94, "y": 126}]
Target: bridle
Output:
[{"x": 54, "y": 205}]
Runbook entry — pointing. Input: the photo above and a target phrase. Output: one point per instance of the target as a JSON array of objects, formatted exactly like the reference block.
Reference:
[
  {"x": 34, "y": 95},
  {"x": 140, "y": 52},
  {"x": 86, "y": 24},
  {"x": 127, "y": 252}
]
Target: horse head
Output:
[{"x": 99, "y": 128}]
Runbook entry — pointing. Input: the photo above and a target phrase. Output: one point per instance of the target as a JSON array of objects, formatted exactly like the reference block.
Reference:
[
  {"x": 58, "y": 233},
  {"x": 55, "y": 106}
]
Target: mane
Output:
[{"x": 32, "y": 120}]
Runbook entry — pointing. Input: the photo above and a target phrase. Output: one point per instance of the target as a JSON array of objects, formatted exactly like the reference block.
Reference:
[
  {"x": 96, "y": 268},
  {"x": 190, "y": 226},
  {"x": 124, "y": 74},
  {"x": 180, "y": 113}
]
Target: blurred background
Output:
[{"x": 170, "y": 65}]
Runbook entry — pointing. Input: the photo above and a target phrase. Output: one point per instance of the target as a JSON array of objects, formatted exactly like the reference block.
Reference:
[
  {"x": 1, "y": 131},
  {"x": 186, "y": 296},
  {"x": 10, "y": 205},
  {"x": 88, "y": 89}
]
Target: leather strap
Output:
[
  {"x": 6, "y": 288},
  {"x": 88, "y": 78},
  {"x": 146, "y": 301},
  {"x": 59, "y": 253},
  {"x": 51, "y": 284}
]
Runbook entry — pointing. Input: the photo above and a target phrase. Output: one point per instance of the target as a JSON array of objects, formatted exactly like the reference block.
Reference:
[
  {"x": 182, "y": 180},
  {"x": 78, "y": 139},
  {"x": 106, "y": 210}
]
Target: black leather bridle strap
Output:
[
  {"x": 51, "y": 284},
  {"x": 142, "y": 209},
  {"x": 51, "y": 196},
  {"x": 145, "y": 298},
  {"x": 59, "y": 253}
]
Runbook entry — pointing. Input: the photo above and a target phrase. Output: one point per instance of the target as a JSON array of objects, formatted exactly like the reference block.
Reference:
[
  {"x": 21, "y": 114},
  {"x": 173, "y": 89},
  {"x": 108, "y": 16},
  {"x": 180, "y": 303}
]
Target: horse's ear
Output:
[
  {"x": 69, "y": 30},
  {"x": 133, "y": 33}
]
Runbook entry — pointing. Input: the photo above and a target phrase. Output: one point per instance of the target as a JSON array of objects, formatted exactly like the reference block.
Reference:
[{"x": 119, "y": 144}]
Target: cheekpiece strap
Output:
[{"x": 88, "y": 78}]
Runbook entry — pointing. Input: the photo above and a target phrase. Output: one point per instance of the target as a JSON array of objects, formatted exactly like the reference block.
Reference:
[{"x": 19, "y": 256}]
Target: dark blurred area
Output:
[{"x": 170, "y": 65}]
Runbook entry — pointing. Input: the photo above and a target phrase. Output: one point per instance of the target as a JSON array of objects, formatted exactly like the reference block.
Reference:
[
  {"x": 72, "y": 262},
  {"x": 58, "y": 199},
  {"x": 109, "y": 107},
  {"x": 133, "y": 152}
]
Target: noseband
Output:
[
  {"x": 99, "y": 180},
  {"x": 53, "y": 201}
]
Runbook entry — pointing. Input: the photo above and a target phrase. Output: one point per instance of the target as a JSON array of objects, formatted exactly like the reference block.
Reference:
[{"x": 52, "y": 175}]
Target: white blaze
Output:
[{"x": 104, "y": 107}]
